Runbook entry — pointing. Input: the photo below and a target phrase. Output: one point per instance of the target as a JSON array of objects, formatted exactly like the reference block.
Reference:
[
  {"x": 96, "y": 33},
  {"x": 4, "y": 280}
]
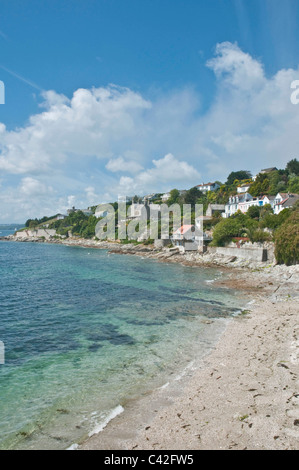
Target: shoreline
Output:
[
  {"x": 171, "y": 255},
  {"x": 245, "y": 395}
]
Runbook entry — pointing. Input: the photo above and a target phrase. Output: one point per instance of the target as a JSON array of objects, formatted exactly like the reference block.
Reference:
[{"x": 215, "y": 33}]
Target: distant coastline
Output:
[{"x": 212, "y": 257}]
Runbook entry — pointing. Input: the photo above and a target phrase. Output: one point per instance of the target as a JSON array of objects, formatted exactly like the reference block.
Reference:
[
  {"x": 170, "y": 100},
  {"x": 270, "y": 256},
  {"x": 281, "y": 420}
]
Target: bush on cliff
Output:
[{"x": 287, "y": 241}]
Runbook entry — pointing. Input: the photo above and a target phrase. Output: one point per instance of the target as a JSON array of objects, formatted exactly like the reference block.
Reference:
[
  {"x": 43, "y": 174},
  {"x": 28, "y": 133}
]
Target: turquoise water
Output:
[{"x": 85, "y": 331}]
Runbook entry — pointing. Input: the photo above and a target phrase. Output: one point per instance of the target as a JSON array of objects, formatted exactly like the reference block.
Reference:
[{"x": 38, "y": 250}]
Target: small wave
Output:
[
  {"x": 189, "y": 367},
  {"x": 73, "y": 447},
  {"x": 164, "y": 386},
  {"x": 99, "y": 427}
]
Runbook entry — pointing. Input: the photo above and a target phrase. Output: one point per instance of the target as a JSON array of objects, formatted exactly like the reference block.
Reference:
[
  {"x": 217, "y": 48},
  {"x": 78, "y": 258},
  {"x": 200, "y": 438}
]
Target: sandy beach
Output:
[{"x": 245, "y": 395}]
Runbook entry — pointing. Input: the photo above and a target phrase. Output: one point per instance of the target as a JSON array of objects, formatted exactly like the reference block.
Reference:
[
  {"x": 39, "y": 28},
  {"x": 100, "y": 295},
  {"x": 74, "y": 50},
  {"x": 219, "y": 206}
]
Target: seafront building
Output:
[{"x": 242, "y": 202}]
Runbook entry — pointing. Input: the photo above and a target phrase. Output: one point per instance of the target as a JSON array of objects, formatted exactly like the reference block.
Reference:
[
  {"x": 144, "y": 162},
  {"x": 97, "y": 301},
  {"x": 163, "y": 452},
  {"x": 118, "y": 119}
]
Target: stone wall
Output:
[{"x": 259, "y": 254}]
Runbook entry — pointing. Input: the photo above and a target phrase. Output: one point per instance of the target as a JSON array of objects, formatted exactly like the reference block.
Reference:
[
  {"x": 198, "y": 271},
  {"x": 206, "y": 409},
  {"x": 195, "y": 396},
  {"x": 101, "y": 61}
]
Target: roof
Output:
[
  {"x": 217, "y": 206},
  {"x": 290, "y": 201},
  {"x": 270, "y": 169},
  {"x": 241, "y": 197},
  {"x": 205, "y": 184},
  {"x": 183, "y": 229}
]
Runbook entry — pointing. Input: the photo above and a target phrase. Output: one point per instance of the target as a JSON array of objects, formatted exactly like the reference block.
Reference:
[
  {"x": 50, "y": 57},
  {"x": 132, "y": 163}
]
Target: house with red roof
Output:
[{"x": 188, "y": 237}]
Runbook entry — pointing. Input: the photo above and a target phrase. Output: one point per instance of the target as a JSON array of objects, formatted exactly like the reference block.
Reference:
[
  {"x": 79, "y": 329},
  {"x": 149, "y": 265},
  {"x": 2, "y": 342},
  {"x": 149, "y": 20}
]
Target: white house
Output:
[
  {"x": 245, "y": 205},
  {"x": 101, "y": 213},
  {"x": 184, "y": 237},
  {"x": 243, "y": 188},
  {"x": 244, "y": 202},
  {"x": 60, "y": 217},
  {"x": 205, "y": 187},
  {"x": 284, "y": 201},
  {"x": 268, "y": 200},
  {"x": 150, "y": 197},
  {"x": 189, "y": 237},
  {"x": 234, "y": 201},
  {"x": 165, "y": 197},
  {"x": 87, "y": 212}
]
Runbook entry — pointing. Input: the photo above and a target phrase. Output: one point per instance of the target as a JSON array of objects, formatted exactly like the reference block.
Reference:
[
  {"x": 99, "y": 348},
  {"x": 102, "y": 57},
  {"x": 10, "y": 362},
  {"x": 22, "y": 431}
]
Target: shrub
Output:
[
  {"x": 254, "y": 212},
  {"x": 260, "y": 236},
  {"x": 287, "y": 241},
  {"x": 226, "y": 230},
  {"x": 275, "y": 221}
]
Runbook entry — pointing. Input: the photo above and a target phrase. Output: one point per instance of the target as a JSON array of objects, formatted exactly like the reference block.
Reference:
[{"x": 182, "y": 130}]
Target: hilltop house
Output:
[
  {"x": 268, "y": 170},
  {"x": 205, "y": 187},
  {"x": 165, "y": 197},
  {"x": 150, "y": 197},
  {"x": 244, "y": 188},
  {"x": 87, "y": 212}
]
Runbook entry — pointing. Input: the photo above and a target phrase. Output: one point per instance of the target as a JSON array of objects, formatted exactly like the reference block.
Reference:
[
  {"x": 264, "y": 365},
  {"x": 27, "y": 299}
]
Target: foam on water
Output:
[{"x": 113, "y": 414}]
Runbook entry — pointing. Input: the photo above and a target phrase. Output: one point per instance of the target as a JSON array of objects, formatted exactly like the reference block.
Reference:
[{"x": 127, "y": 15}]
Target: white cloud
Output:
[
  {"x": 166, "y": 173},
  {"x": 120, "y": 164},
  {"x": 32, "y": 187},
  {"x": 94, "y": 122},
  {"x": 236, "y": 68},
  {"x": 63, "y": 151}
]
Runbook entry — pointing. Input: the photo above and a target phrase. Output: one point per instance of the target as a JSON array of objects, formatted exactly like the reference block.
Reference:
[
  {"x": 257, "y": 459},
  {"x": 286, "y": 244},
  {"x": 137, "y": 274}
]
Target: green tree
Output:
[
  {"x": 293, "y": 186},
  {"x": 174, "y": 197},
  {"x": 274, "y": 221},
  {"x": 261, "y": 185},
  {"x": 293, "y": 167},
  {"x": 287, "y": 241},
  {"x": 254, "y": 212},
  {"x": 277, "y": 182},
  {"x": 33, "y": 224},
  {"x": 192, "y": 196},
  {"x": 225, "y": 230},
  {"x": 239, "y": 176}
]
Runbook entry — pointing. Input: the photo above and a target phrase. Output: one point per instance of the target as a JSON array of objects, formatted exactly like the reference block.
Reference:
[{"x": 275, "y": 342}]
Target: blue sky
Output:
[{"x": 200, "y": 88}]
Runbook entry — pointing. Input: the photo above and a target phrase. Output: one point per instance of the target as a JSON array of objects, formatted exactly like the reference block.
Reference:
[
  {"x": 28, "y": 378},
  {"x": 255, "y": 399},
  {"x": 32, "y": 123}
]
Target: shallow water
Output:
[{"x": 85, "y": 331}]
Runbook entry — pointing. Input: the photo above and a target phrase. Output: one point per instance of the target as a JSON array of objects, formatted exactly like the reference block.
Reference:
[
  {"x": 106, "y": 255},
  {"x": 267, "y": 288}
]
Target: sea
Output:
[{"x": 85, "y": 332}]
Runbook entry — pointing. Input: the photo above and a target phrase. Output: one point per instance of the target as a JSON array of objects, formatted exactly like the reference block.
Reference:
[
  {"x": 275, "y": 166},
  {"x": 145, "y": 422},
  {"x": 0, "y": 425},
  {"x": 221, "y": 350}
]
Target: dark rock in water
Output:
[{"x": 94, "y": 347}]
